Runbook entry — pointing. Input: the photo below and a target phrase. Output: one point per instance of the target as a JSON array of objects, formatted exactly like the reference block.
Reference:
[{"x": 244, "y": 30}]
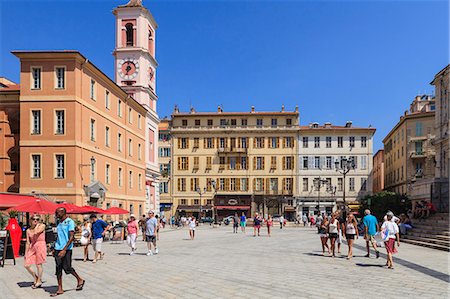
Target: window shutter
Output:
[
  {"x": 179, "y": 142},
  {"x": 187, "y": 163},
  {"x": 311, "y": 162},
  {"x": 226, "y": 142},
  {"x": 228, "y": 162},
  {"x": 227, "y": 184},
  {"x": 254, "y": 184},
  {"x": 284, "y": 141},
  {"x": 238, "y": 184},
  {"x": 254, "y": 163},
  {"x": 204, "y": 142},
  {"x": 179, "y": 185},
  {"x": 218, "y": 142},
  {"x": 284, "y": 184},
  {"x": 292, "y": 162},
  {"x": 179, "y": 163},
  {"x": 263, "y": 163},
  {"x": 246, "y": 184},
  {"x": 187, "y": 142},
  {"x": 254, "y": 142},
  {"x": 284, "y": 163},
  {"x": 265, "y": 184},
  {"x": 356, "y": 161},
  {"x": 278, "y": 142},
  {"x": 192, "y": 184}
]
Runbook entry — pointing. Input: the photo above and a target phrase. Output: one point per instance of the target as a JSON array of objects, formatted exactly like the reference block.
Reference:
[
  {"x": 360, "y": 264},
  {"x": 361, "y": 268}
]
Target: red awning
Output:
[
  {"x": 38, "y": 206},
  {"x": 116, "y": 211},
  {"x": 9, "y": 200},
  {"x": 233, "y": 208}
]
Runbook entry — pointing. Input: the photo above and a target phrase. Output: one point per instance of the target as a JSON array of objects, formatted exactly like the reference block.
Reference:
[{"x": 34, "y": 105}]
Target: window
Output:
[
  {"x": 36, "y": 122},
  {"x": 92, "y": 129},
  {"x": 340, "y": 184},
  {"x": 274, "y": 122},
  {"x": 222, "y": 162},
  {"x": 36, "y": 166},
  {"x": 222, "y": 142},
  {"x": 340, "y": 141},
  {"x": 107, "y": 136},
  {"x": 354, "y": 160},
  {"x": 139, "y": 121},
  {"x": 419, "y": 129},
  {"x": 273, "y": 184},
  {"x": 329, "y": 162},
  {"x": 305, "y": 142},
  {"x": 120, "y": 177},
  {"x": 59, "y": 122},
  {"x": 288, "y": 142},
  {"x": 119, "y": 108},
  {"x": 183, "y": 163},
  {"x": 107, "y": 174},
  {"x": 287, "y": 186},
  {"x": 363, "y": 184},
  {"x": 130, "y": 147},
  {"x": 352, "y": 141},
  {"x": 289, "y": 122},
  {"x": 183, "y": 142},
  {"x": 194, "y": 184},
  {"x": 305, "y": 162},
  {"x": 119, "y": 142},
  {"x": 328, "y": 142},
  {"x": 107, "y": 105},
  {"x": 233, "y": 122},
  {"x": 196, "y": 142},
  {"x": 259, "y": 122},
  {"x": 210, "y": 122},
  {"x": 208, "y": 162},
  {"x": 244, "y": 122},
  {"x": 259, "y": 163},
  {"x": 129, "y": 34},
  {"x": 196, "y": 162},
  {"x": 60, "y": 77},
  {"x": 164, "y": 152},
  {"x": 259, "y": 142},
  {"x": 317, "y": 162},
  {"x": 36, "y": 80},
  {"x": 305, "y": 184},
  {"x": 197, "y": 122},
  {"x": 288, "y": 163},
  {"x": 223, "y": 122},
  {"x": 352, "y": 184},
  {"x": 184, "y": 122},
  {"x": 92, "y": 89},
  {"x": 243, "y": 184},
  {"x": 130, "y": 179},
  {"x": 232, "y": 184},
  {"x": 164, "y": 187},
  {"x": 182, "y": 184},
  {"x": 419, "y": 147},
  {"x": 130, "y": 115},
  {"x": 273, "y": 162},
  {"x": 244, "y": 163},
  {"x": 232, "y": 164},
  {"x": 209, "y": 142},
  {"x": 363, "y": 162},
  {"x": 92, "y": 170},
  {"x": 182, "y": 201},
  {"x": 364, "y": 140},
  {"x": 316, "y": 142},
  {"x": 139, "y": 152},
  {"x": 259, "y": 184},
  {"x": 244, "y": 143},
  {"x": 59, "y": 166},
  {"x": 274, "y": 142},
  {"x": 221, "y": 184}
]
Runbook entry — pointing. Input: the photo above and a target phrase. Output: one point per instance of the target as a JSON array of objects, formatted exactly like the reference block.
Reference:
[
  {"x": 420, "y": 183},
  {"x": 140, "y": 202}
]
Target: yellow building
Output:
[
  {"x": 409, "y": 154},
  {"x": 234, "y": 162},
  {"x": 164, "y": 159}
]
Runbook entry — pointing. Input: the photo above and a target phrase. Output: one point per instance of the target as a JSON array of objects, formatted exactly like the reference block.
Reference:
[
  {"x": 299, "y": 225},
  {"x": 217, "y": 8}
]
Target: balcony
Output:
[
  {"x": 239, "y": 128},
  {"x": 273, "y": 192},
  {"x": 231, "y": 150},
  {"x": 421, "y": 154}
]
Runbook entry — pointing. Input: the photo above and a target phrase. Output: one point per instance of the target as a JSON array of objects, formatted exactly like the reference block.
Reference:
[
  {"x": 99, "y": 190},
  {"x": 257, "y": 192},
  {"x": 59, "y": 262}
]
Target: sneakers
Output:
[
  {"x": 132, "y": 253},
  {"x": 149, "y": 253},
  {"x": 156, "y": 251},
  {"x": 377, "y": 253}
]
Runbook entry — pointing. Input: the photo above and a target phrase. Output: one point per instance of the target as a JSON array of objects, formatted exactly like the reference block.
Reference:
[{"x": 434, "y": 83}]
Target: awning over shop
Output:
[
  {"x": 165, "y": 205},
  {"x": 234, "y": 208},
  {"x": 193, "y": 208},
  {"x": 289, "y": 209}
]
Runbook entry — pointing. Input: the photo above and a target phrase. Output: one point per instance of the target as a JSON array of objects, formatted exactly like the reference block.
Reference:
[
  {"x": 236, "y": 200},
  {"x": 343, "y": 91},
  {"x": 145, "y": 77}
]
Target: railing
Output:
[
  {"x": 230, "y": 127},
  {"x": 224, "y": 150},
  {"x": 273, "y": 192}
]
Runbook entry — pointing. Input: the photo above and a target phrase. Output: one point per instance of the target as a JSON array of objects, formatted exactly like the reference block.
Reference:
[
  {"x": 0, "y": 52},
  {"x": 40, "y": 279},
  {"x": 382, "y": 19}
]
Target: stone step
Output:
[
  {"x": 426, "y": 244},
  {"x": 431, "y": 222},
  {"x": 428, "y": 240},
  {"x": 429, "y": 231},
  {"x": 426, "y": 235},
  {"x": 431, "y": 226}
]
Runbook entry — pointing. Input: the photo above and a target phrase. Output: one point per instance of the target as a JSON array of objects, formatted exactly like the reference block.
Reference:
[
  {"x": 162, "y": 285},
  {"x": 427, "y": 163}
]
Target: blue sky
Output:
[{"x": 337, "y": 60}]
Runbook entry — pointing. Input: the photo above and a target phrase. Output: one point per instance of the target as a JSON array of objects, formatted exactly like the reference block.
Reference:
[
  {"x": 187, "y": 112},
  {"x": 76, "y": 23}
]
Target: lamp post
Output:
[
  {"x": 214, "y": 211},
  {"x": 80, "y": 166},
  {"x": 319, "y": 183},
  {"x": 343, "y": 167},
  {"x": 201, "y": 192}
]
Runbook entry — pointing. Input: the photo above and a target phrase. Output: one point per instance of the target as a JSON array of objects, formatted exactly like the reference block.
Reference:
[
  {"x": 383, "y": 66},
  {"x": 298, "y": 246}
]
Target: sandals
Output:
[
  {"x": 36, "y": 285},
  {"x": 56, "y": 294},
  {"x": 80, "y": 286}
]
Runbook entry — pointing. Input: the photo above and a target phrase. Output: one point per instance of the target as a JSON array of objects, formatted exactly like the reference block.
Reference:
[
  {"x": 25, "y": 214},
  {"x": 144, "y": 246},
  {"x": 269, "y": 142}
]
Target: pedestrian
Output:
[
  {"x": 371, "y": 227},
  {"x": 99, "y": 229},
  {"x": 281, "y": 221},
  {"x": 256, "y": 225},
  {"x": 340, "y": 218},
  {"x": 158, "y": 221},
  {"x": 390, "y": 233},
  {"x": 132, "y": 229},
  {"x": 235, "y": 223},
  {"x": 324, "y": 235},
  {"x": 35, "y": 250},
  {"x": 63, "y": 250},
  {"x": 192, "y": 224},
  {"x": 142, "y": 226},
  {"x": 150, "y": 232},
  {"x": 351, "y": 230},
  {"x": 269, "y": 224},
  {"x": 333, "y": 232},
  {"x": 85, "y": 240},
  {"x": 312, "y": 220},
  {"x": 304, "y": 219},
  {"x": 318, "y": 221},
  {"x": 243, "y": 222}
]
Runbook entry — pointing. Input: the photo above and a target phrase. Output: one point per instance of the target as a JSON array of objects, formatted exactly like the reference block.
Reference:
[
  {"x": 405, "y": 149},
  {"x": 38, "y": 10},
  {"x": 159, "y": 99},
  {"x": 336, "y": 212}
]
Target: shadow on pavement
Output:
[
  {"x": 53, "y": 289},
  {"x": 25, "y": 284},
  {"x": 369, "y": 265}
]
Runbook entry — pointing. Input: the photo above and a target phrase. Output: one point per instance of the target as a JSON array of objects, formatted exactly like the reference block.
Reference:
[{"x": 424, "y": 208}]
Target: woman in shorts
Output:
[
  {"x": 351, "y": 231},
  {"x": 333, "y": 232},
  {"x": 269, "y": 224},
  {"x": 323, "y": 235},
  {"x": 86, "y": 237},
  {"x": 256, "y": 224}
]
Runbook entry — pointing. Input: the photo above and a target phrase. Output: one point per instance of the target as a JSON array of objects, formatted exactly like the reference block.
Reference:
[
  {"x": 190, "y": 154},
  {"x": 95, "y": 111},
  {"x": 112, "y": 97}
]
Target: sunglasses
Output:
[{"x": 37, "y": 219}]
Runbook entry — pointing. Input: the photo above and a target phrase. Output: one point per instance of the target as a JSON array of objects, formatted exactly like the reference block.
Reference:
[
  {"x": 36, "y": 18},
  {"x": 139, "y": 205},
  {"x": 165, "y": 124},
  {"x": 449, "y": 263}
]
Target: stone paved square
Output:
[{"x": 220, "y": 264}]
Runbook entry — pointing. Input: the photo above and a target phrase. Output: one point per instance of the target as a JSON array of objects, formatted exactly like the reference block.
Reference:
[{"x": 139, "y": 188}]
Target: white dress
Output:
[{"x": 85, "y": 235}]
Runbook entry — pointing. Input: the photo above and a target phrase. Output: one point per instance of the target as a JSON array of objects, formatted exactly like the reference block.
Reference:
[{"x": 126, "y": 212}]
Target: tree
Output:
[{"x": 381, "y": 202}]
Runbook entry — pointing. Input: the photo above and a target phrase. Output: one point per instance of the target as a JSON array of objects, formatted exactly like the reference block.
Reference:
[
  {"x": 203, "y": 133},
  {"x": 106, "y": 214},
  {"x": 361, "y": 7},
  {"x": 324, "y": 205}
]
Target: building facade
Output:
[
  {"x": 409, "y": 153},
  {"x": 378, "y": 172},
  {"x": 82, "y": 137},
  {"x": 165, "y": 168},
  {"x": 320, "y": 186},
  {"x": 441, "y": 142},
  {"x": 9, "y": 136},
  {"x": 135, "y": 64},
  {"x": 230, "y": 162}
]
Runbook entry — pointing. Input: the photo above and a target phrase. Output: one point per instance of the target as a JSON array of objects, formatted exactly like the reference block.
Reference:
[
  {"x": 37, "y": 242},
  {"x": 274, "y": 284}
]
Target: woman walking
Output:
[
  {"x": 243, "y": 222},
  {"x": 323, "y": 235},
  {"x": 333, "y": 232},
  {"x": 256, "y": 224},
  {"x": 85, "y": 240},
  {"x": 35, "y": 250},
  {"x": 269, "y": 224},
  {"x": 351, "y": 230},
  {"x": 132, "y": 229},
  {"x": 390, "y": 231},
  {"x": 192, "y": 225}
]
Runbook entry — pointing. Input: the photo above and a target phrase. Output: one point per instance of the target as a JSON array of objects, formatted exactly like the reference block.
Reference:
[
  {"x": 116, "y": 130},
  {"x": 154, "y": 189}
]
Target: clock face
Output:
[{"x": 128, "y": 68}]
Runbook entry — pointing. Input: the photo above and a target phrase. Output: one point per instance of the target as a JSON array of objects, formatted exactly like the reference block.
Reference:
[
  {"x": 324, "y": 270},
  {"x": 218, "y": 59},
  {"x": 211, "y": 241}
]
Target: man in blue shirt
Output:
[
  {"x": 371, "y": 227},
  {"x": 63, "y": 250},
  {"x": 99, "y": 228},
  {"x": 151, "y": 224}
]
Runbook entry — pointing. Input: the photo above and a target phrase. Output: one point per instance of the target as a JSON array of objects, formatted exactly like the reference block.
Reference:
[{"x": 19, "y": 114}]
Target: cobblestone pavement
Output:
[{"x": 220, "y": 264}]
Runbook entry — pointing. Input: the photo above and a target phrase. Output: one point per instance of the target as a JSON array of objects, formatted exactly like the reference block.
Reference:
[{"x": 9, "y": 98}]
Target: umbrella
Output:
[
  {"x": 8, "y": 200},
  {"x": 71, "y": 208},
  {"x": 92, "y": 210},
  {"x": 39, "y": 206},
  {"x": 116, "y": 211}
]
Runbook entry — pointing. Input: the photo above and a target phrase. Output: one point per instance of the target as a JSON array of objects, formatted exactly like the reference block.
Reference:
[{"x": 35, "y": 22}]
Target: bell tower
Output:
[{"x": 135, "y": 72}]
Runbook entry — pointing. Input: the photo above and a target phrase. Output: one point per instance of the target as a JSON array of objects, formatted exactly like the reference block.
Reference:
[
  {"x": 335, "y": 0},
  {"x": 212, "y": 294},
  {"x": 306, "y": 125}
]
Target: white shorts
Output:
[
  {"x": 97, "y": 244},
  {"x": 131, "y": 240}
]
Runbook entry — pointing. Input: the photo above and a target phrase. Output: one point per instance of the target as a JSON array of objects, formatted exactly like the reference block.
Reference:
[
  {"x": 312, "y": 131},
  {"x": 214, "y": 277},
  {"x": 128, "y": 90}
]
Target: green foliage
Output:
[
  {"x": 3, "y": 221},
  {"x": 381, "y": 202},
  {"x": 13, "y": 214}
]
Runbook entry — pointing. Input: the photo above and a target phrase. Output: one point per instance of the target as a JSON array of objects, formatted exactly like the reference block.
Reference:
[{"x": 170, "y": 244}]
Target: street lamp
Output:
[
  {"x": 319, "y": 183},
  {"x": 201, "y": 192},
  {"x": 343, "y": 167},
  {"x": 214, "y": 211}
]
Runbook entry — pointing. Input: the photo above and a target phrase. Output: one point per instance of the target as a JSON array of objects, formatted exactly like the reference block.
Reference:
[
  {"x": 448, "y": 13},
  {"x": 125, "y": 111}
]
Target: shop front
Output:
[
  {"x": 194, "y": 210},
  {"x": 229, "y": 205}
]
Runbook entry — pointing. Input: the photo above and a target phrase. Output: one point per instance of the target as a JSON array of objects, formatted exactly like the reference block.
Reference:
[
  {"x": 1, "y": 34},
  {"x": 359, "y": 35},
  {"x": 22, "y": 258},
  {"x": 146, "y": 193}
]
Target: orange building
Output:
[
  {"x": 82, "y": 137},
  {"x": 378, "y": 171}
]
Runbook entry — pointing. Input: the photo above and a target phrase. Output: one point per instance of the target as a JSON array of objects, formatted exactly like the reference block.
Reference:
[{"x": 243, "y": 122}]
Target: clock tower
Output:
[{"x": 135, "y": 72}]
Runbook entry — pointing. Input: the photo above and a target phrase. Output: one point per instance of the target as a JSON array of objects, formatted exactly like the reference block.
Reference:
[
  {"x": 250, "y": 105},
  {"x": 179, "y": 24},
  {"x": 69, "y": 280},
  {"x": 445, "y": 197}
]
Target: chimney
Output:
[
  {"x": 327, "y": 125},
  {"x": 282, "y": 108},
  {"x": 219, "y": 109},
  {"x": 175, "y": 109},
  {"x": 296, "y": 108},
  {"x": 192, "y": 110},
  {"x": 348, "y": 124},
  {"x": 253, "y": 109}
]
